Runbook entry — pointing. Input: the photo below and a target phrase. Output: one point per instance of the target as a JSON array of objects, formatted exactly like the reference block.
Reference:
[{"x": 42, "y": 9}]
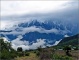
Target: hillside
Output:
[{"x": 73, "y": 40}]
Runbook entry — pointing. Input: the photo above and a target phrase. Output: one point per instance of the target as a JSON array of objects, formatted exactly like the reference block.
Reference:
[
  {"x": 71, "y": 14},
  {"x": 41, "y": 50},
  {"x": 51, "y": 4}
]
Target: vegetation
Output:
[
  {"x": 63, "y": 51},
  {"x": 59, "y": 57},
  {"x": 19, "y": 49},
  {"x": 27, "y": 54},
  {"x": 73, "y": 40},
  {"x": 67, "y": 49},
  {"x": 6, "y": 52}
]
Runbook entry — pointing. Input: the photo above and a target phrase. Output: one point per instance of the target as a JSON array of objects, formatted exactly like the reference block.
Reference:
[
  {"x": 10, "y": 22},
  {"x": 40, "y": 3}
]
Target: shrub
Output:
[
  {"x": 37, "y": 53},
  {"x": 34, "y": 51},
  {"x": 67, "y": 49},
  {"x": 27, "y": 54},
  {"x": 19, "y": 49}
]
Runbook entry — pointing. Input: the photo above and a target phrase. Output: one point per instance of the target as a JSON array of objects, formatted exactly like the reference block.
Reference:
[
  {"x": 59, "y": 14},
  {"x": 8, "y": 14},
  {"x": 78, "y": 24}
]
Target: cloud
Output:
[
  {"x": 57, "y": 42},
  {"x": 66, "y": 35},
  {"x": 20, "y": 43},
  {"x": 26, "y": 45},
  {"x": 41, "y": 30},
  {"x": 5, "y": 39},
  {"x": 21, "y": 11},
  {"x": 22, "y": 7},
  {"x": 3, "y": 24},
  {"x": 31, "y": 29},
  {"x": 40, "y": 42}
]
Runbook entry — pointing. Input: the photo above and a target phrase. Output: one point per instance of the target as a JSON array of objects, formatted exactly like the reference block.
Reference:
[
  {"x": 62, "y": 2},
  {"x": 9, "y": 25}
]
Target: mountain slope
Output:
[
  {"x": 73, "y": 40},
  {"x": 51, "y": 30}
]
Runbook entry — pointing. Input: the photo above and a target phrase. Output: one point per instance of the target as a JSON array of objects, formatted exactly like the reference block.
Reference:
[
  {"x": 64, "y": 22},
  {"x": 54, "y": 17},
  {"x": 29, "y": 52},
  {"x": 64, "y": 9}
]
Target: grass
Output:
[
  {"x": 74, "y": 53},
  {"x": 32, "y": 56},
  {"x": 58, "y": 55}
]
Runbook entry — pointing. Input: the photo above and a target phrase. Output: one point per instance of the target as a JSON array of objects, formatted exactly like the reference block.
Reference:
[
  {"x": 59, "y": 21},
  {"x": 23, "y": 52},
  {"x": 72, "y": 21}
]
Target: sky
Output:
[
  {"x": 19, "y": 8},
  {"x": 26, "y": 7}
]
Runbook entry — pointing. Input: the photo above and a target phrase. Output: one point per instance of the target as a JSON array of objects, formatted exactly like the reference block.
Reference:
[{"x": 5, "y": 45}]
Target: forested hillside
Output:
[{"x": 73, "y": 40}]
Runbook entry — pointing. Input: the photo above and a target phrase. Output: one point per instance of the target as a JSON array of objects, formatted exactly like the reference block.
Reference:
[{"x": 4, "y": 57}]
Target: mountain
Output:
[
  {"x": 50, "y": 31},
  {"x": 73, "y": 40},
  {"x": 47, "y": 28}
]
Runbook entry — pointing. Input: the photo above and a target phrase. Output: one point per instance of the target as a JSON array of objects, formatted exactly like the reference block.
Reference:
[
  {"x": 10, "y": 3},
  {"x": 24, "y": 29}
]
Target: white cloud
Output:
[
  {"x": 20, "y": 43},
  {"x": 25, "y": 44},
  {"x": 31, "y": 29},
  {"x": 57, "y": 42},
  {"x": 5, "y": 39},
  {"x": 26, "y": 7},
  {"x": 41, "y": 30},
  {"x": 5, "y": 24},
  {"x": 16, "y": 8},
  {"x": 66, "y": 35},
  {"x": 24, "y": 47},
  {"x": 40, "y": 42}
]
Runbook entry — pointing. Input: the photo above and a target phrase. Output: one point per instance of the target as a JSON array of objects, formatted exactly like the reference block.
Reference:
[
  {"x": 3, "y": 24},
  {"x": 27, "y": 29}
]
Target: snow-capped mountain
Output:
[{"x": 51, "y": 30}]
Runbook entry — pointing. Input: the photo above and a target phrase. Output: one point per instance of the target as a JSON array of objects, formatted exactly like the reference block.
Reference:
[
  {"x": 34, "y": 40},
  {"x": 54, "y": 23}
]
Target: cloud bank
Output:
[
  {"x": 23, "y": 31},
  {"x": 25, "y": 44},
  {"x": 12, "y": 11},
  {"x": 22, "y": 7}
]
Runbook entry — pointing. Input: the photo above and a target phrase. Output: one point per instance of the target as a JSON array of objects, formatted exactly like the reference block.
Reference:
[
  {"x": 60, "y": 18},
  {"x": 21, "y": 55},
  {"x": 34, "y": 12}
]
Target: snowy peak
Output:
[{"x": 35, "y": 25}]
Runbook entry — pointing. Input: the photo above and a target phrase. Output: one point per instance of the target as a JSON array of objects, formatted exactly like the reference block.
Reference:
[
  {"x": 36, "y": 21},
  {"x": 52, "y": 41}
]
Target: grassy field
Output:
[
  {"x": 58, "y": 54},
  {"x": 74, "y": 53},
  {"x": 32, "y": 56}
]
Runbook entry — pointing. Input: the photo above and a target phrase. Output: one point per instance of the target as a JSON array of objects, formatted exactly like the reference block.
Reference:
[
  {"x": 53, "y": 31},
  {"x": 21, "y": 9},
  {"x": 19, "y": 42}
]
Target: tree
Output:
[
  {"x": 39, "y": 48},
  {"x": 67, "y": 49},
  {"x": 6, "y": 51},
  {"x": 19, "y": 49}
]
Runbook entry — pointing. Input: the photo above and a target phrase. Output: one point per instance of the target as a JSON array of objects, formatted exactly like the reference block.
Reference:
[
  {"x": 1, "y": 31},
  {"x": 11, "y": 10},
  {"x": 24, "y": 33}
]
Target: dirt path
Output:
[{"x": 45, "y": 55}]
